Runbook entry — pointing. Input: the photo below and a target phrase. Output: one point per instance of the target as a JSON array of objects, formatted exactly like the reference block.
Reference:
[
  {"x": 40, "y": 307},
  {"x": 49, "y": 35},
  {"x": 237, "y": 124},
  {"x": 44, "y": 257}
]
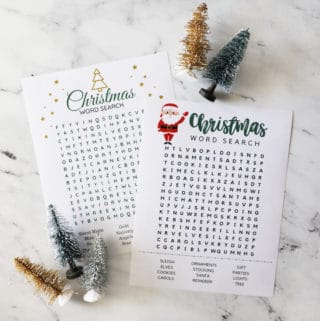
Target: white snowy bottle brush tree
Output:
[
  {"x": 94, "y": 276},
  {"x": 66, "y": 247}
]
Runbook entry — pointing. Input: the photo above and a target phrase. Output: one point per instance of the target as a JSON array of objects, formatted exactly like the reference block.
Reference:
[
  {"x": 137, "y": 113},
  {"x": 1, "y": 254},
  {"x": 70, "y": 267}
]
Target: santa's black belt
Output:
[{"x": 168, "y": 127}]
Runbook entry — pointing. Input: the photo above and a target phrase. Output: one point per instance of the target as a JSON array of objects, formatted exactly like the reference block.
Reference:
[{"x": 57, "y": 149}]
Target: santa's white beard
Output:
[{"x": 170, "y": 119}]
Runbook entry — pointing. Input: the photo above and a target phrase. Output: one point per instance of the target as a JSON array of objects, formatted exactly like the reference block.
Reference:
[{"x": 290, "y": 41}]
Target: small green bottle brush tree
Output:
[
  {"x": 223, "y": 68},
  {"x": 66, "y": 247}
]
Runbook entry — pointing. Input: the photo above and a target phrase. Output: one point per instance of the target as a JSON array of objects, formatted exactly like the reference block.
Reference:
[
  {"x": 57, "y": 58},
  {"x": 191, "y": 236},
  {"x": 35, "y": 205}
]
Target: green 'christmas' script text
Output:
[{"x": 227, "y": 126}]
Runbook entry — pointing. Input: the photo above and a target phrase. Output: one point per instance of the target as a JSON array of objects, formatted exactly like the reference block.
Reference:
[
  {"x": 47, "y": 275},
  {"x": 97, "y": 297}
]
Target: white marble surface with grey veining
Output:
[{"x": 281, "y": 70}]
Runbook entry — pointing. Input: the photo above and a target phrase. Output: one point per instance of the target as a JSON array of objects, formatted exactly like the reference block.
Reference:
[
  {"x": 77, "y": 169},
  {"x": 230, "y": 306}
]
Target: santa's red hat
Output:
[{"x": 169, "y": 105}]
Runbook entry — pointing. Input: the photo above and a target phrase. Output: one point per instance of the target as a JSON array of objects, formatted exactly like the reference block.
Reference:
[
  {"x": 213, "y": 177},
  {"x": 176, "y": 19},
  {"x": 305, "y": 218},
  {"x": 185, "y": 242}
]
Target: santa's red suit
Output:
[{"x": 169, "y": 129}]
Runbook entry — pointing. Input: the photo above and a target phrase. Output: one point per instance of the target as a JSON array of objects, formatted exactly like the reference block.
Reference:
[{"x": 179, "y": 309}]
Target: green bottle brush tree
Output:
[
  {"x": 223, "y": 68},
  {"x": 67, "y": 249}
]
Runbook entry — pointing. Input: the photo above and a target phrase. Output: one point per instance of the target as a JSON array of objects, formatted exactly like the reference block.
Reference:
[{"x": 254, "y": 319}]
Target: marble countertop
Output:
[{"x": 281, "y": 70}]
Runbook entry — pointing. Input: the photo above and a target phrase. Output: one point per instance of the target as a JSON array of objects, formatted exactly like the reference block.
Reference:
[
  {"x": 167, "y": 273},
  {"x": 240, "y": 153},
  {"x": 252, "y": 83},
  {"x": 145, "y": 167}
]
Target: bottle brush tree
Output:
[
  {"x": 195, "y": 43},
  {"x": 66, "y": 247},
  {"x": 95, "y": 272},
  {"x": 223, "y": 68},
  {"x": 45, "y": 281}
]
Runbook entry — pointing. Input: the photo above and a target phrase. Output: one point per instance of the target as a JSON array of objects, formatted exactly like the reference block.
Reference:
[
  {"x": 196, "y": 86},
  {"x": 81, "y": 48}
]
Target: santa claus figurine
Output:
[{"x": 170, "y": 120}]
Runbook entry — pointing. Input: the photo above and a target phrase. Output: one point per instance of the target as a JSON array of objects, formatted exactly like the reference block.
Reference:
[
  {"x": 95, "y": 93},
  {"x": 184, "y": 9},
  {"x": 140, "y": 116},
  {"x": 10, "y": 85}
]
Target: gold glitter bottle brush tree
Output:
[
  {"x": 196, "y": 44},
  {"x": 47, "y": 282}
]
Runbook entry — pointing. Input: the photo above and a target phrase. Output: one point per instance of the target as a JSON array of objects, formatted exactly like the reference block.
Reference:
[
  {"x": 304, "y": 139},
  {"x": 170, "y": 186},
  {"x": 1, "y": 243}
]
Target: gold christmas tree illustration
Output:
[
  {"x": 196, "y": 44},
  {"x": 98, "y": 81},
  {"x": 45, "y": 281}
]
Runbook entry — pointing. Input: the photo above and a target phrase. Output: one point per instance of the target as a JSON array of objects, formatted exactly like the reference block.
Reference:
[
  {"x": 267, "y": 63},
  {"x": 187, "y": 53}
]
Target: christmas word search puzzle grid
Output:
[
  {"x": 210, "y": 197},
  {"x": 86, "y": 128},
  {"x": 100, "y": 159}
]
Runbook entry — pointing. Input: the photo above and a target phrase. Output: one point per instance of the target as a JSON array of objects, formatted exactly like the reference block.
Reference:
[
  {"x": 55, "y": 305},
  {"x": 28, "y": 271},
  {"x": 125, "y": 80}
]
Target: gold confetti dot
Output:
[
  {"x": 160, "y": 96},
  {"x": 45, "y": 136},
  {"x": 56, "y": 100},
  {"x": 56, "y": 82},
  {"x": 141, "y": 84},
  {"x": 42, "y": 118},
  {"x": 50, "y": 94},
  {"x": 149, "y": 94},
  {"x": 52, "y": 113},
  {"x": 134, "y": 67},
  {"x": 145, "y": 76}
]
